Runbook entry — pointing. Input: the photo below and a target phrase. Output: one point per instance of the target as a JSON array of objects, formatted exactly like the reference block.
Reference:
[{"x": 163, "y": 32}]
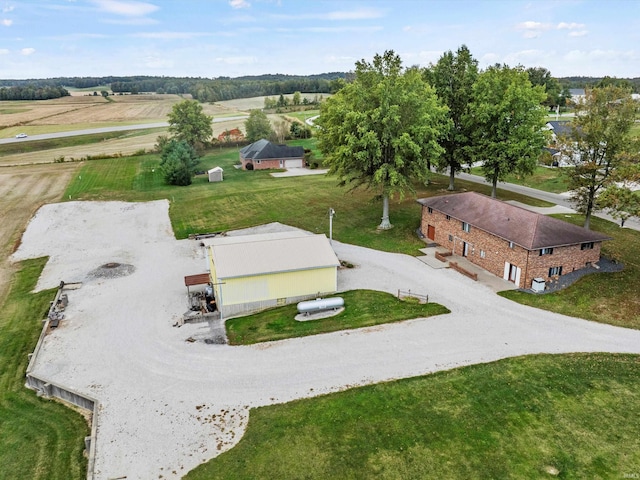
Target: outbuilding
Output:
[
  {"x": 253, "y": 272},
  {"x": 215, "y": 174}
]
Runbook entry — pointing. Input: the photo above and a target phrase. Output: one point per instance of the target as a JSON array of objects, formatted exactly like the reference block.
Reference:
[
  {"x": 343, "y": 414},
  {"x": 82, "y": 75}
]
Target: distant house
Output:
[
  {"x": 253, "y": 272},
  {"x": 508, "y": 241},
  {"x": 263, "y": 155},
  {"x": 233, "y": 135},
  {"x": 577, "y": 94}
]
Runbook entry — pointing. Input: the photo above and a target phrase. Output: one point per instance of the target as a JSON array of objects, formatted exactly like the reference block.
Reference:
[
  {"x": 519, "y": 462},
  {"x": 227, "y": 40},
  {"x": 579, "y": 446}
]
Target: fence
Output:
[{"x": 409, "y": 294}]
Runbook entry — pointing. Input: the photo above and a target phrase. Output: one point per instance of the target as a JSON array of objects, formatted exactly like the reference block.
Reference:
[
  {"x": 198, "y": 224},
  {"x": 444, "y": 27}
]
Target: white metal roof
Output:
[
  {"x": 249, "y": 255},
  {"x": 215, "y": 169}
]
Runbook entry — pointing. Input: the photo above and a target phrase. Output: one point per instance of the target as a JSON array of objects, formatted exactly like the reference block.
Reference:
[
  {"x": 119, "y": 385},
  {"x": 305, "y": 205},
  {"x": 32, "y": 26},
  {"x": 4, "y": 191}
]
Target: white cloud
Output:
[
  {"x": 338, "y": 15},
  {"x": 239, "y": 4},
  {"x": 578, "y": 33},
  {"x": 570, "y": 26},
  {"x": 371, "y": 29},
  {"x": 125, "y": 8},
  {"x": 170, "y": 35},
  {"x": 6, "y": 22},
  {"x": 27, "y": 51},
  {"x": 7, "y": 8},
  {"x": 4, "y": 51},
  {"x": 533, "y": 29}
]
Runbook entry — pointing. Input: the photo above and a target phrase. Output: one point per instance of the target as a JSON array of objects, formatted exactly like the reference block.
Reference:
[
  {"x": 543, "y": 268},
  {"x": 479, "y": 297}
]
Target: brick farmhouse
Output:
[
  {"x": 508, "y": 241},
  {"x": 263, "y": 154}
]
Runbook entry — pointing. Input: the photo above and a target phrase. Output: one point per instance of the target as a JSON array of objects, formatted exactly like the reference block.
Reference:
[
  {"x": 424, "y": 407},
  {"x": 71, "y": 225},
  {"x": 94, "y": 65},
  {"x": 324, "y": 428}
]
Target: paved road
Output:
[
  {"x": 561, "y": 199},
  {"x": 89, "y": 131}
]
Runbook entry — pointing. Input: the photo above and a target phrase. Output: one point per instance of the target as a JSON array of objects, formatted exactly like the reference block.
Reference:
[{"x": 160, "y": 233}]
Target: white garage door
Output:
[{"x": 294, "y": 163}]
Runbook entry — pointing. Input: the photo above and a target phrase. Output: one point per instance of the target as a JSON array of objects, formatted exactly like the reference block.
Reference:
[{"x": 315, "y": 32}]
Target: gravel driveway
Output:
[{"x": 167, "y": 404}]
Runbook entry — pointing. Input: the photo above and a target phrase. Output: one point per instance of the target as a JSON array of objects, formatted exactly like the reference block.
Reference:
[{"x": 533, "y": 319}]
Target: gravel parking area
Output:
[{"x": 167, "y": 404}]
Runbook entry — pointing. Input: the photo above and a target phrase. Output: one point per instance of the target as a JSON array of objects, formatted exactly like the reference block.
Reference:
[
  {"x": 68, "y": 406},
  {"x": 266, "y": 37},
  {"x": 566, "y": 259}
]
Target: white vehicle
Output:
[{"x": 21, "y": 135}]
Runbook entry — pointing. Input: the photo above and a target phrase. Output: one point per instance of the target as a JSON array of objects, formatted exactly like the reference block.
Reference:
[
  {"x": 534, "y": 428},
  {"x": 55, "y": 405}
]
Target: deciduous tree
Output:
[
  {"x": 600, "y": 145},
  {"x": 258, "y": 126},
  {"x": 453, "y": 78},
  {"x": 188, "y": 123},
  {"x": 507, "y": 120},
  {"x": 379, "y": 130}
]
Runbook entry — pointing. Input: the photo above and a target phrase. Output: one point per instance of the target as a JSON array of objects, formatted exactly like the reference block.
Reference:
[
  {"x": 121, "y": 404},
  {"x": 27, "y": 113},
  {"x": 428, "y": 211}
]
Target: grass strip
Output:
[
  {"x": 39, "y": 439},
  {"x": 363, "y": 308},
  {"x": 546, "y": 179},
  {"x": 570, "y": 416}
]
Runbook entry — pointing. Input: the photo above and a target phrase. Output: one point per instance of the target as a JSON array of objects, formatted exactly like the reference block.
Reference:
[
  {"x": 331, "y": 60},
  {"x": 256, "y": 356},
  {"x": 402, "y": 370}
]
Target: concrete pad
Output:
[{"x": 299, "y": 172}]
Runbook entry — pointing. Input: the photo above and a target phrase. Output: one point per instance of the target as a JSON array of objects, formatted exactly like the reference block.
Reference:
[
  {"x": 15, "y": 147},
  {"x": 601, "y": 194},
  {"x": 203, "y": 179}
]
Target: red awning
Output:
[{"x": 199, "y": 279}]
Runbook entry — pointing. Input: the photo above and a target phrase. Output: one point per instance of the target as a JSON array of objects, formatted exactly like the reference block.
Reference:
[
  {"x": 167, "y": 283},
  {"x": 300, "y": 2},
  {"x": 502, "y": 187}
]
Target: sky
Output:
[{"x": 213, "y": 38}]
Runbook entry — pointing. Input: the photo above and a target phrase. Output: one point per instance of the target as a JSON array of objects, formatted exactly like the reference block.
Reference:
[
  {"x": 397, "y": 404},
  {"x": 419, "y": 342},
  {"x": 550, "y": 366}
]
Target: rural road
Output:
[
  {"x": 89, "y": 131},
  {"x": 150, "y": 378}
]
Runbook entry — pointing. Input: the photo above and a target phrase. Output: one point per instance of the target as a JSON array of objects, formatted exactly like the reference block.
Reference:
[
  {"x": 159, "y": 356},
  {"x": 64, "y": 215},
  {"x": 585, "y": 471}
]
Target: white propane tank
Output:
[{"x": 320, "y": 304}]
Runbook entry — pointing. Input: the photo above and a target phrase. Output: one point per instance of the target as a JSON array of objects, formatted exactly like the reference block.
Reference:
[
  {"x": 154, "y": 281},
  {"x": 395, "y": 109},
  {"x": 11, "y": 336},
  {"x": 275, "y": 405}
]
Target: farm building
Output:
[
  {"x": 509, "y": 241},
  {"x": 253, "y": 272},
  {"x": 263, "y": 154}
]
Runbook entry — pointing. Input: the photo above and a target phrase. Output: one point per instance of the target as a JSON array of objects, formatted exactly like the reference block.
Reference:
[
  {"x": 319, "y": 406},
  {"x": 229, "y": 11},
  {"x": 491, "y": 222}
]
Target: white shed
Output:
[{"x": 215, "y": 174}]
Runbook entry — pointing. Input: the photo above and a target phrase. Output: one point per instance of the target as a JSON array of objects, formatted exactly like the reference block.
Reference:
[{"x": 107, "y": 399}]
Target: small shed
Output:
[{"x": 215, "y": 174}]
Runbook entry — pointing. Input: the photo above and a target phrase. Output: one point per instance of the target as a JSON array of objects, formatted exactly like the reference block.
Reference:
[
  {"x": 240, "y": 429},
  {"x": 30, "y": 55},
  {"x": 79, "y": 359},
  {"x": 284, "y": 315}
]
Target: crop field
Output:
[{"x": 22, "y": 191}]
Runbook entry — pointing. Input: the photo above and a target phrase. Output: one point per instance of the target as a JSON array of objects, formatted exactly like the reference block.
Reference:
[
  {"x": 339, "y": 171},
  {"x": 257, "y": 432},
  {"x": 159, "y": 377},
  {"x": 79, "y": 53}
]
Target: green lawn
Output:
[
  {"x": 544, "y": 178},
  {"x": 607, "y": 298},
  {"x": 364, "y": 308},
  {"x": 39, "y": 439},
  {"x": 514, "y": 419},
  {"x": 251, "y": 198}
]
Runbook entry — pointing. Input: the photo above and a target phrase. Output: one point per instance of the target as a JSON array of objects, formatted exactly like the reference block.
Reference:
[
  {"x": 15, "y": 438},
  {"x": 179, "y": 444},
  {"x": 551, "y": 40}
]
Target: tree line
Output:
[
  {"x": 32, "y": 92},
  {"x": 391, "y": 125}
]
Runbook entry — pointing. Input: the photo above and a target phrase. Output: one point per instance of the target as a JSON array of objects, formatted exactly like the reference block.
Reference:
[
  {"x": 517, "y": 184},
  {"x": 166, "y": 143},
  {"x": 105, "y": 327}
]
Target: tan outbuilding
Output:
[{"x": 254, "y": 272}]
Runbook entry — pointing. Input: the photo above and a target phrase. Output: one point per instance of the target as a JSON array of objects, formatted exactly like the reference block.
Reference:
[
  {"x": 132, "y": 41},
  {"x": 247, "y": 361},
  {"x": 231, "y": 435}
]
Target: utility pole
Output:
[{"x": 332, "y": 212}]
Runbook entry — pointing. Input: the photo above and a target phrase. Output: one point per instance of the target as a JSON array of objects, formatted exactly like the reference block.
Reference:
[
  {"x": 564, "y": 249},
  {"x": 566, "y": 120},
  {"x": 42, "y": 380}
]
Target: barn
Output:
[{"x": 253, "y": 272}]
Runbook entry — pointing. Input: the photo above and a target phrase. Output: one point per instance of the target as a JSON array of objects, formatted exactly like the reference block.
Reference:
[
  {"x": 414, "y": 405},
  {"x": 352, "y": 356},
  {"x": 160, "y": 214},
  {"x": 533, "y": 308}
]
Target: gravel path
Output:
[{"x": 168, "y": 405}]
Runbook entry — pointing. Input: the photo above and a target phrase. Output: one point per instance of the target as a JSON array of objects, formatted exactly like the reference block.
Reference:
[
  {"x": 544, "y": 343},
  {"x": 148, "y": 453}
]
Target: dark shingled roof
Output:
[
  {"x": 523, "y": 227},
  {"x": 264, "y": 150}
]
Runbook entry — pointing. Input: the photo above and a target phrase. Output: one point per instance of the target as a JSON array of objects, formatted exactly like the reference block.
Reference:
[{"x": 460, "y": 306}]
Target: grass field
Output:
[
  {"x": 571, "y": 417},
  {"x": 544, "y": 178},
  {"x": 365, "y": 308},
  {"x": 247, "y": 199},
  {"x": 39, "y": 439}
]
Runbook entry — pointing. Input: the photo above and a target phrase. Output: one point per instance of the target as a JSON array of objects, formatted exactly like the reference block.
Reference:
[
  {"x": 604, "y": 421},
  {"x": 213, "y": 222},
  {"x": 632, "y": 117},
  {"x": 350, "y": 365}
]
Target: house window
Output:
[
  {"x": 511, "y": 245},
  {"x": 451, "y": 238},
  {"x": 546, "y": 251},
  {"x": 466, "y": 227},
  {"x": 587, "y": 246},
  {"x": 448, "y": 217},
  {"x": 429, "y": 209},
  {"x": 553, "y": 271},
  {"x": 482, "y": 254}
]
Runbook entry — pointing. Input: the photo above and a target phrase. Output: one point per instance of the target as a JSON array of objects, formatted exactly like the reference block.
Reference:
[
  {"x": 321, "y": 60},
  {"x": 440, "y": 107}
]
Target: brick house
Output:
[
  {"x": 508, "y": 241},
  {"x": 263, "y": 154}
]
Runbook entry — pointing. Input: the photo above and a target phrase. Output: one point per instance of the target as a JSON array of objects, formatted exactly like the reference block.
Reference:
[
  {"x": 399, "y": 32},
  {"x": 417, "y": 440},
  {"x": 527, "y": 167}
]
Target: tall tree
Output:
[
  {"x": 179, "y": 161},
  {"x": 553, "y": 89},
  {"x": 453, "y": 78},
  {"x": 600, "y": 145},
  {"x": 258, "y": 126},
  {"x": 507, "y": 121},
  {"x": 188, "y": 123},
  {"x": 378, "y": 130}
]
